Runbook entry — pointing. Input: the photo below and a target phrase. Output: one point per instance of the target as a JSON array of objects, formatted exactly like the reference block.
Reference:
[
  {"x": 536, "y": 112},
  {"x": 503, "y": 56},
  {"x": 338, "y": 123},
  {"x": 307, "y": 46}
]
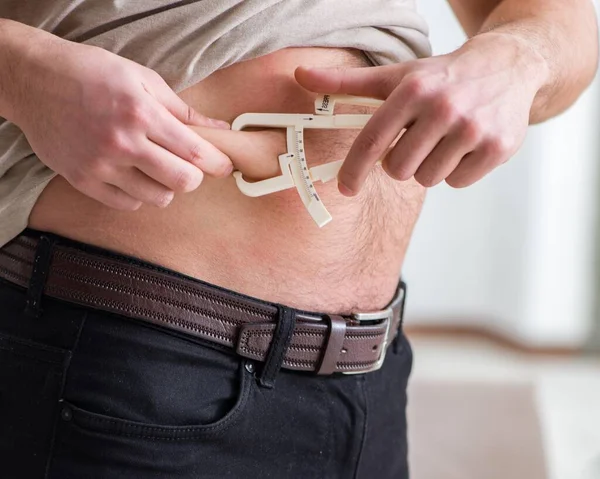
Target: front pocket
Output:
[
  {"x": 97, "y": 446},
  {"x": 136, "y": 373},
  {"x": 142, "y": 402},
  {"x": 98, "y": 423}
]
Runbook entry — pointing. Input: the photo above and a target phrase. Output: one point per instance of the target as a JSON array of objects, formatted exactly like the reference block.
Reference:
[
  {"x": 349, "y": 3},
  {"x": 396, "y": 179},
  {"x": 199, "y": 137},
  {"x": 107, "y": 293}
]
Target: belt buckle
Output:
[
  {"x": 385, "y": 315},
  {"x": 379, "y": 316}
]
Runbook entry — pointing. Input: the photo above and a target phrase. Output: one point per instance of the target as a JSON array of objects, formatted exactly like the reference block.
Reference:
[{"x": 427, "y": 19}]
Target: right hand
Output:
[{"x": 111, "y": 127}]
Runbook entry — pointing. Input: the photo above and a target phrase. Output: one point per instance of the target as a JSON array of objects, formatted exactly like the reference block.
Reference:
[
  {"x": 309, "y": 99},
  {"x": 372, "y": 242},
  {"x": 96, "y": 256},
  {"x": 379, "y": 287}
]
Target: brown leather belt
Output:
[{"x": 109, "y": 282}]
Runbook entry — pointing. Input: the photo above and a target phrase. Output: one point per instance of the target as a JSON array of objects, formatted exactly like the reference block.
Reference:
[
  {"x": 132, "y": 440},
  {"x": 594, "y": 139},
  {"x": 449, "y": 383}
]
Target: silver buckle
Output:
[{"x": 385, "y": 315}]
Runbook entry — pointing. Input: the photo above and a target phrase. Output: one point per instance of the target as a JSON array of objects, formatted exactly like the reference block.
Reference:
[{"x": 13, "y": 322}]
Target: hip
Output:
[{"x": 90, "y": 393}]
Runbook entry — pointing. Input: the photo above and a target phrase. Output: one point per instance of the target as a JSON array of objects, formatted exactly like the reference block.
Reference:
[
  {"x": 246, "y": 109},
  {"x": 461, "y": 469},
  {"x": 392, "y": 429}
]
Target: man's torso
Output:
[{"x": 265, "y": 247}]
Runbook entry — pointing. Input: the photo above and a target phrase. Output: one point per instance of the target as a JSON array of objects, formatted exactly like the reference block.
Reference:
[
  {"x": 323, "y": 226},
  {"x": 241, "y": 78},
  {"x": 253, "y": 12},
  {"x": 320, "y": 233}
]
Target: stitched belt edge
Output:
[{"x": 171, "y": 300}]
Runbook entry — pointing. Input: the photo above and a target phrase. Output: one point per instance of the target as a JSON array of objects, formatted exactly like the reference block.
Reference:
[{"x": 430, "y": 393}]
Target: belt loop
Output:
[
  {"x": 41, "y": 266},
  {"x": 282, "y": 338},
  {"x": 334, "y": 344}
]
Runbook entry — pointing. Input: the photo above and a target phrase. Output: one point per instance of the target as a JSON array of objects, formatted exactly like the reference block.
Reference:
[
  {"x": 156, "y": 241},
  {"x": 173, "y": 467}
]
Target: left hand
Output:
[{"x": 465, "y": 113}]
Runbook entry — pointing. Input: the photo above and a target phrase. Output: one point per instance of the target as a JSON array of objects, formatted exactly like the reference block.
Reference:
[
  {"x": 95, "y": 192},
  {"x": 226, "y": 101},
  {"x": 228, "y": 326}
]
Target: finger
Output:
[
  {"x": 445, "y": 158},
  {"x": 414, "y": 147},
  {"x": 141, "y": 187},
  {"x": 473, "y": 167},
  {"x": 373, "y": 141},
  {"x": 375, "y": 82},
  {"x": 183, "y": 142},
  {"x": 108, "y": 195},
  {"x": 169, "y": 170},
  {"x": 179, "y": 108}
]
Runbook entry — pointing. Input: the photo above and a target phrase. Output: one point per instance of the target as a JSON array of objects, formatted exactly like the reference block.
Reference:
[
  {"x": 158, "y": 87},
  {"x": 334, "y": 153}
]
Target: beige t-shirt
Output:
[{"x": 187, "y": 40}]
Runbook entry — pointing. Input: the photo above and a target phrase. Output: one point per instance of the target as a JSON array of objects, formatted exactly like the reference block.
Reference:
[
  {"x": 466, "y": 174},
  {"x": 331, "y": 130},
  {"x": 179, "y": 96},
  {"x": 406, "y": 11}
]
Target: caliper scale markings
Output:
[{"x": 301, "y": 158}]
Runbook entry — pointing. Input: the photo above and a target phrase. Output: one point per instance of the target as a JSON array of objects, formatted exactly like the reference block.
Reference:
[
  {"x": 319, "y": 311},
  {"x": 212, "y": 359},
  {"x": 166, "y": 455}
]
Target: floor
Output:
[{"x": 480, "y": 411}]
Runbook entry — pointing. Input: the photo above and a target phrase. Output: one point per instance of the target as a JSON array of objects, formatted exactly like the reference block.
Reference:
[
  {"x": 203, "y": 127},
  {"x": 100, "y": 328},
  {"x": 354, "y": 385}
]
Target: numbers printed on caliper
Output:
[
  {"x": 308, "y": 184},
  {"x": 293, "y": 164}
]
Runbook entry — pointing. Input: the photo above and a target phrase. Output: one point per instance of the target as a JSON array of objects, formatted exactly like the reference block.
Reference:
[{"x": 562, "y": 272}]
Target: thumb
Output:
[{"x": 374, "y": 82}]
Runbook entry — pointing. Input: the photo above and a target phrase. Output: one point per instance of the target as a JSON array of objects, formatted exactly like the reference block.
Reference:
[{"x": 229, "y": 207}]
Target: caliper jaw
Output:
[
  {"x": 315, "y": 206},
  {"x": 271, "y": 185}
]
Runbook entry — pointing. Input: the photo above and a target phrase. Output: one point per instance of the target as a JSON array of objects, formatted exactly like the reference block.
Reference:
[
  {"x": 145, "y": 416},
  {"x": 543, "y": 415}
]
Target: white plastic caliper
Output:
[{"x": 294, "y": 168}]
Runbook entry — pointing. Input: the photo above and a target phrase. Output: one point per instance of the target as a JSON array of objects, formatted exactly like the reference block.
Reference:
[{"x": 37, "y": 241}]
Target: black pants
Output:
[{"x": 90, "y": 395}]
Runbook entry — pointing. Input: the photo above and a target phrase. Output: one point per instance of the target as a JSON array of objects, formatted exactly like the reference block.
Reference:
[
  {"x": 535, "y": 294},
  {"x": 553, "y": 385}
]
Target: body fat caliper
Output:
[{"x": 293, "y": 164}]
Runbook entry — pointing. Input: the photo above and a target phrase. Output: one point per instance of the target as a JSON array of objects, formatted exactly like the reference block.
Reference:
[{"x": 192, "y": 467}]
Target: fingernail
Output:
[
  {"x": 220, "y": 124},
  {"x": 165, "y": 200},
  {"x": 344, "y": 190},
  {"x": 220, "y": 166}
]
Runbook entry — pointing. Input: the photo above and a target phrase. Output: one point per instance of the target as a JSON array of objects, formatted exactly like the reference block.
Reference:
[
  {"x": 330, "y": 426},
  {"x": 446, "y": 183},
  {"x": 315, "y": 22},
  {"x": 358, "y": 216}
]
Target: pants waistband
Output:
[{"x": 281, "y": 337}]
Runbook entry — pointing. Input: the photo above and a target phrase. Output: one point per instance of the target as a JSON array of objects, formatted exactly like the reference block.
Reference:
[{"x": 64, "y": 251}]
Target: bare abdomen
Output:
[{"x": 265, "y": 247}]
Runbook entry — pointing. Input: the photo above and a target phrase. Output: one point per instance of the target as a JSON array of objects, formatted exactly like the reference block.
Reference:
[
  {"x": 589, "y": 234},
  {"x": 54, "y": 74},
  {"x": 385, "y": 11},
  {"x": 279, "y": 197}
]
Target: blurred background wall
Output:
[{"x": 517, "y": 252}]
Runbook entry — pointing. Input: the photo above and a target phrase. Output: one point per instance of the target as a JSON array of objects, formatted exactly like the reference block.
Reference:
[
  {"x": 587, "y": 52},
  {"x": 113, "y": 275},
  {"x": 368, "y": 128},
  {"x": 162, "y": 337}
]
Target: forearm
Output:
[
  {"x": 18, "y": 43},
  {"x": 561, "y": 36}
]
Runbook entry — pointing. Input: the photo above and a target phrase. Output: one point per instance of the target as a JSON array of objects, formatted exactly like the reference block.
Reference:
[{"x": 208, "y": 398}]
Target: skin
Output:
[
  {"x": 269, "y": 247},
  {"x": 466, "y": 113},
  {"x": 55, "y": 89},
  {"x": 128, "y": 134}
]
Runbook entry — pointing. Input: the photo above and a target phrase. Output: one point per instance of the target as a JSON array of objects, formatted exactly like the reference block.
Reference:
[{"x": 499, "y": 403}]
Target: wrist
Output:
[
  {"x": 517, "y": 51},
  {"x": 21, "y": 46}
]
